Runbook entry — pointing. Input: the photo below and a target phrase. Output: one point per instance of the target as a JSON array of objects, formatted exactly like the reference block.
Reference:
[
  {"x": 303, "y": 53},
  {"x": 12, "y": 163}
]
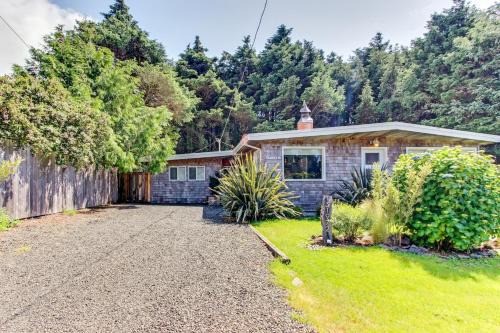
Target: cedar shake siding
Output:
[
  {"x": 340, "y": 157},
  {"x": 342, "y": 149},
  {"x": 164, "y": 190}
]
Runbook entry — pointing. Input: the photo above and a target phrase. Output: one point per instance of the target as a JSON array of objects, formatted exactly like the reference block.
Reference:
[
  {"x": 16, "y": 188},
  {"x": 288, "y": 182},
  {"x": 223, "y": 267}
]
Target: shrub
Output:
[
  {"x": 391, "y": 209},
  {"x": 7, "y": 168},
  {"x": 5, "y": 220},
  {"x": 459, "y": 207},
  {"x": 380, "y": 228},
  {"x": 349, "y": 221},
  {"x": 357, "y": 189},
  {"x": 252, "y": 192}
]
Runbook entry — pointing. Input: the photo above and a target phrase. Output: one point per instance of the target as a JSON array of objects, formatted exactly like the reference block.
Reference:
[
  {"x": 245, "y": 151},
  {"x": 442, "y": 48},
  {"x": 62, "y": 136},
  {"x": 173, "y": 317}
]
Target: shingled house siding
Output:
[
  {"x": 180, "y": 192},
  {"x": 340, "y": 157}
]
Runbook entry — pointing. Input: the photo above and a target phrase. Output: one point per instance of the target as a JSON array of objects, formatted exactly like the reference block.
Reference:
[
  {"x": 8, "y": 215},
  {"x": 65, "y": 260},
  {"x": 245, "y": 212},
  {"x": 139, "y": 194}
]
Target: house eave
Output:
[
  {"x": 478, "y": 138},
  {"x": 370, "y": 129},
  {"x": 211, "y": 154}
]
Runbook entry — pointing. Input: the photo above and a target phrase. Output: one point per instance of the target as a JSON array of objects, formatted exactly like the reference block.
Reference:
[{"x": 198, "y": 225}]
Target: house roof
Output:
[
  {"x": 394, "y": 129},
  {"x": 377, "y": 128},
  {"x": 211, "y": 154}
]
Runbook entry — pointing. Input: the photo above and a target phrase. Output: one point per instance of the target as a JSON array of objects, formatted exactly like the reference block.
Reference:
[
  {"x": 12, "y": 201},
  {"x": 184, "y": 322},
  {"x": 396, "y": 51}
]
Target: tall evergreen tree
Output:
[
  {"x": 194, "y": 61},
  {"x": 120, "y": 33},
  {"x": 324, "y": 97},
  {"x": 365, "y": 111}
]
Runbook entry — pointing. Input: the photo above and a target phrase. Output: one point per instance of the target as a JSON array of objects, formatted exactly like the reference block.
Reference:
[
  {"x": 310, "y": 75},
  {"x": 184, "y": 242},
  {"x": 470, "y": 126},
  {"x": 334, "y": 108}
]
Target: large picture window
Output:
[{"x": 303, "y": 163}]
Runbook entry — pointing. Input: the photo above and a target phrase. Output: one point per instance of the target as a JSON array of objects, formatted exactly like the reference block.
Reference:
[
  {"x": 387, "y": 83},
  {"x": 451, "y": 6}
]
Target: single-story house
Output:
[{"x": 311, "y": 160}]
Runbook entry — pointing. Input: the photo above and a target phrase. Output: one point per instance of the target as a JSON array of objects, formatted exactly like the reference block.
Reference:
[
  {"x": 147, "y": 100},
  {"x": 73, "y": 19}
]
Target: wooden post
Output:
[{"x": 326, "y": 219}]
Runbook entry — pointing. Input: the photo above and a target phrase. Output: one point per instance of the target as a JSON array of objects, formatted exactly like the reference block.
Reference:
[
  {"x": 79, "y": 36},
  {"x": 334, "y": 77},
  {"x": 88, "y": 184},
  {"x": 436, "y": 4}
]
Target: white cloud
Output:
[
  {"x": 483, "y": 4},
  {"x": 32, "y": 19}
]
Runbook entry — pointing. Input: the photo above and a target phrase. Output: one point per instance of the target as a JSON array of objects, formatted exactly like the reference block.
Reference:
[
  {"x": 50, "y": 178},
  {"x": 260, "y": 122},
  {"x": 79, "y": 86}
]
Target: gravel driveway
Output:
[{"x": 138, "y": 268}]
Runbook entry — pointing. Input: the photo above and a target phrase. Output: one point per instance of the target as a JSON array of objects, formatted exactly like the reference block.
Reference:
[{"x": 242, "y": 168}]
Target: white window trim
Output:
[
  {"x": 423, "y": 149},
  {"x": 384, "y": 157},
  {"x": 195, "y": 166},
  {"x": 177, "y": 180},
  {"x": 323, "y": 163}
]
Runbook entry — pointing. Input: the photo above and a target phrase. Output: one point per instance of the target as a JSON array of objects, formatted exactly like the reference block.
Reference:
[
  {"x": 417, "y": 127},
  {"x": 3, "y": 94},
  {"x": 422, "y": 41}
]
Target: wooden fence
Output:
[
  {"x": 41, "y": 187},
  {"x": 135, "y": 187}
]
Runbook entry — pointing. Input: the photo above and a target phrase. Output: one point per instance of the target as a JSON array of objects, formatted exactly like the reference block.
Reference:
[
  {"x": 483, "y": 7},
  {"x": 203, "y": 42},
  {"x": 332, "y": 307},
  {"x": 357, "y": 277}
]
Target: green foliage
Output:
[
  {"x": 349, "y": 222},
  {"x": 70, "y": 212},
  {"x": 390, "y": 208},
  {"x": 42, "y": 115},
  {"x": 460, "y": 200},
  {"x": 447, "y": 78},
  {"x": 365, "y": 111},
  {"x": 435, "y": 295},
  {"x": 380, "y": 228},
  {"x": 216, "y": 102},
  {"x": 6, "y": 221},
  {"x": 250, "y": 192},
  {"x": 324, "y": 97},
  {"x": 7, "y": 168},
  {"x": 120, "y": 33},
  {"x": 277, "y": 125},
  {"x": 98, "y": 110},
  {"x": 355, "y": 190}
]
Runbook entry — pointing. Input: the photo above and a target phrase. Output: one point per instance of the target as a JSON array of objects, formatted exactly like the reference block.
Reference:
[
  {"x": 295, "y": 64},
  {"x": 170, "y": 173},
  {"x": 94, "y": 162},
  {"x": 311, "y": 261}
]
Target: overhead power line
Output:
[
  {"x": 15, "y": 32},
  {"x": 238, "y": 86}
]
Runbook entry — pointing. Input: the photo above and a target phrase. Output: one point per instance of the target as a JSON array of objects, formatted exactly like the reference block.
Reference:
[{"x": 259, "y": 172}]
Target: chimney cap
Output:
[
  {"x": 305, "y": 108},
  {"x": 305, "y": 121}
]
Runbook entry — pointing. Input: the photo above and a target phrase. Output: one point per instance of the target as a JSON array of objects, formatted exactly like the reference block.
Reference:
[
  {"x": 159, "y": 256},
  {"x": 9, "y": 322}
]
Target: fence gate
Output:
[{"x": 135, "y": 187}]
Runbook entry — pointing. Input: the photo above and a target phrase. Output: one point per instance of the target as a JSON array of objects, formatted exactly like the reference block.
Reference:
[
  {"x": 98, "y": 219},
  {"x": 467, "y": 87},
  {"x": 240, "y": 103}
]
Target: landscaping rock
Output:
[
  {"x": 297, "y": 282},
  {"x": 417, "y": 250}
]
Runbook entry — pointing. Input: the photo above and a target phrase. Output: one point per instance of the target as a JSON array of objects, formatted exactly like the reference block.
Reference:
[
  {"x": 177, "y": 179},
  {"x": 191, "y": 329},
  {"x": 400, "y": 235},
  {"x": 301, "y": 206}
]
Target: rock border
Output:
[{"x": 271, "y": 247}]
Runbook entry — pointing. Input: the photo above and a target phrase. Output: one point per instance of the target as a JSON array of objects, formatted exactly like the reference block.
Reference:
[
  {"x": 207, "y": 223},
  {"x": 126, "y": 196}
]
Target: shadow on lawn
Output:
[{"x": 452, "y": 269}]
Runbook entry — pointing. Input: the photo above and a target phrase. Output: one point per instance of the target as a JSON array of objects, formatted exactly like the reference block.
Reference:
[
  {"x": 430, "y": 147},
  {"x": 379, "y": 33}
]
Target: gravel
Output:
[{"x": 138, "y": 268}]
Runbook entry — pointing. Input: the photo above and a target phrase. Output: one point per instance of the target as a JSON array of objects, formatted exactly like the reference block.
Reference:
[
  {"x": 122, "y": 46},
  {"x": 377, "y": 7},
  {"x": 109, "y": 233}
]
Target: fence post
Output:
[{"x": 326, "y": 219}]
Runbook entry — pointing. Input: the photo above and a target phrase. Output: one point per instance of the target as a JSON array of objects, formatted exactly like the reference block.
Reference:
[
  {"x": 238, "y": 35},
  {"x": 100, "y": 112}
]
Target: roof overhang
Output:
[
  {"x": 395, "y": 129},
  {"x": 211, "y": 154},
  {"x": 388, "y": 129}
]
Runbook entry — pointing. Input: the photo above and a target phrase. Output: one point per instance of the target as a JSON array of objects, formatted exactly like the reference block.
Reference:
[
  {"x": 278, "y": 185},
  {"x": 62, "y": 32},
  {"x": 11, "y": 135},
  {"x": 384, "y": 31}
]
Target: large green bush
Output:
[
  {"x": 459, "y": 206},
  {"x": 250, "y": 192}
]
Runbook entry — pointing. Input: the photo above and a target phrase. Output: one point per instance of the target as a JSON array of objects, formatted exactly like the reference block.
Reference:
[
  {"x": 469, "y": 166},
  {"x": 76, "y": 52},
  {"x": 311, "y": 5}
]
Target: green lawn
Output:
[{"x": 375, "y": 290}]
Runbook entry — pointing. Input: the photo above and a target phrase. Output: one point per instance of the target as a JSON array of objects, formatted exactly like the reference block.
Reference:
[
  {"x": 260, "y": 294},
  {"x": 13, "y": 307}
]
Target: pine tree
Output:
[
  {"x": 365, "y": 112},
  {"x": 324, "y": 97},
  {"x": 121, "y": 34},
  {"x": 194, "y": 61}
]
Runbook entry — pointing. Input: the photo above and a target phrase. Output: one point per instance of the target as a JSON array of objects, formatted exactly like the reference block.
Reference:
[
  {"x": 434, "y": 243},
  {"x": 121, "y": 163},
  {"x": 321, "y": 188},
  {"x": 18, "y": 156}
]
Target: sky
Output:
[{"x": 333, "y": 25}]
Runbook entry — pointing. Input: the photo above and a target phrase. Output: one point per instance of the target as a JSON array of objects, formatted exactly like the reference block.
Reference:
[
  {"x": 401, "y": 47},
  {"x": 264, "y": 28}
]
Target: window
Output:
[
  {"x": 303, "y": 163},
  {"x": 417, "y": 150},
  {"x": 177, "y": 173},
  {"x": 372, "y": 155},
  {"x": 196, "y": 173}
]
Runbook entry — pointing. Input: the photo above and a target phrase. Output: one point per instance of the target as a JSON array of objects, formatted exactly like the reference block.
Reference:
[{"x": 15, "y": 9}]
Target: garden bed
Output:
[{"x": 489, "y": 250}]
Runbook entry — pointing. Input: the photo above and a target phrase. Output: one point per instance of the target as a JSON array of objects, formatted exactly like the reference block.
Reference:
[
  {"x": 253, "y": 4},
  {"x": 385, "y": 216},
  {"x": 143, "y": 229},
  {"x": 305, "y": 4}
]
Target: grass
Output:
[
  {"x": 371, "y": 289},
  {"x": 70, "y": 212}
]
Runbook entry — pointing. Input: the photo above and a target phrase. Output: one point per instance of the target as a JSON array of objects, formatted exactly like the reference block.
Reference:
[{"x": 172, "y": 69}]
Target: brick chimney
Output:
[{"x": 305, "y": 122}]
